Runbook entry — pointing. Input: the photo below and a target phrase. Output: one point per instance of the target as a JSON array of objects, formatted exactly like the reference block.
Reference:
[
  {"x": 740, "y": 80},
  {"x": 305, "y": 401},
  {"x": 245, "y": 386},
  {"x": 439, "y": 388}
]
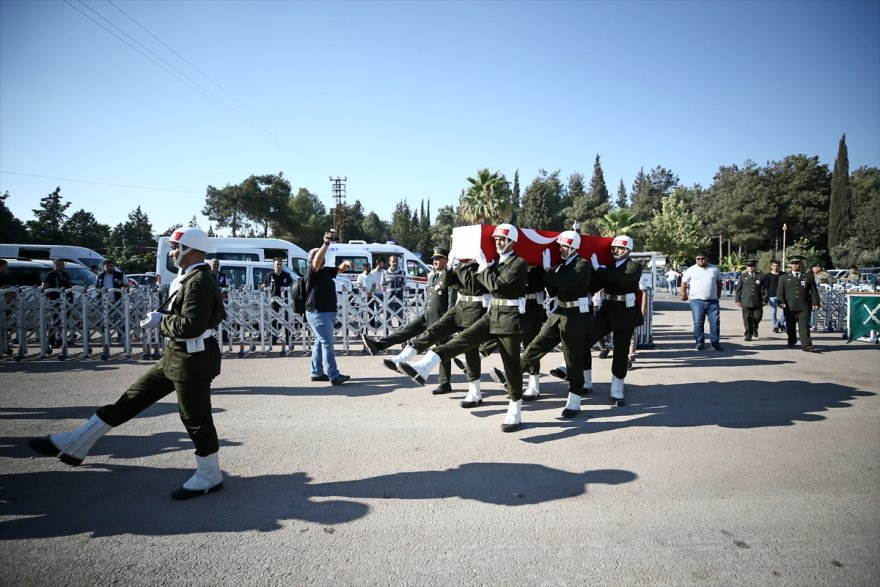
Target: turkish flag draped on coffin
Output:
[{"x": 468, "y": 241}]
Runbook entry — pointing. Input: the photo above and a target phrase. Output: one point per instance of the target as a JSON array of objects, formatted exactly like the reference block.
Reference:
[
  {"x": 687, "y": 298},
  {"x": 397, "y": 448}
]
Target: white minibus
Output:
[
  {"x": 236, "y": 249},
  {"x": 360, "y": 252},
  {"x": 83, "y": 256}
]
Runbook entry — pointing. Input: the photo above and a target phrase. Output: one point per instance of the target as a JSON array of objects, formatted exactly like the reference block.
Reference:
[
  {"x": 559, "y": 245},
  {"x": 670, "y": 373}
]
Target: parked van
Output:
[
  {"x": 247, "y": 250},
  {"x": 250, "y": 274},
  {"x": 81, "y": 255},
  {"x": 360, "y": 252}
]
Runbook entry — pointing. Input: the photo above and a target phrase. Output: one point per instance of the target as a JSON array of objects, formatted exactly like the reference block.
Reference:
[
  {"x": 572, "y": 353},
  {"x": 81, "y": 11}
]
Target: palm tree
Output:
[
  {"x": 620, "y": 221},
  {"x": 487, "y": 200}
]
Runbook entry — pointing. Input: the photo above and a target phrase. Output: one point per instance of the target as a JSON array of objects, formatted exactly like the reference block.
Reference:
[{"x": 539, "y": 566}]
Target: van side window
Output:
[
  {"x": 415, "y": 269},
  {"x": 234, "y": 256},
  {"x": 237, "y": 276},
  {"x": 357, "y": 262},
  {"x": 300, "y": 266}
]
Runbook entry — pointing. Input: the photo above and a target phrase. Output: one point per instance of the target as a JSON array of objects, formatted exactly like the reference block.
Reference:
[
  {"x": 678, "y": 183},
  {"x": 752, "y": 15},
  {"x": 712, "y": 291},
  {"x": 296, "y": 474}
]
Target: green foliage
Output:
[
  {"x": 587, "y": 207},
  {"x": 441, "y": 232},
  {"x": 543, "y": 203},
  {"x": 622, "y": 200},
  {"x": 136, "y": 232},
  {"x": 733, "y": 262},
  {"x": 12, "y": 229},
  {"x": 675, "y": 231},
  {"x": 621, "y": 221},
  {"x": 83, "y": 229},
  {"x": 515, "y": 199},
  {"x": 307, "y": 220},
  {"x": 804, "y": 248},
  {"x": 48, "y": 227},
  {"x": 852, "y": 251},
  {"x": 648, "y": 191},
  {"x": 487, "y": 200},
  {"x": 375, "y": 229},
  {"x": 133, "y": 259},
  {"x": 736, "y": 206},
  {"x": 840, "y": 213},
  {"x": 865, "y": 227}
]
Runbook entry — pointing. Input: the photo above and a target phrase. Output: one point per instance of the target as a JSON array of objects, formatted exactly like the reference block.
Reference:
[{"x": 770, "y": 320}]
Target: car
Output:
[
  {"x": 147, "y": 279},
  {"x": 29, "y": 272}
]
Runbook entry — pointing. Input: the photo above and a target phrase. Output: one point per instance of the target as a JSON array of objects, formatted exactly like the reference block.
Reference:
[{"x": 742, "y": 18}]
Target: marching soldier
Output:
[
  {"x": 437, "y": 304},
  {"x": 506, "y": 280},
  {"x": 798, "y": 295},
  {"x": 570, "y": 283},
  {"x": 190, "y": 362},
  {"x": 751, "y": 297},
  {"x": 619, "y": 314}
]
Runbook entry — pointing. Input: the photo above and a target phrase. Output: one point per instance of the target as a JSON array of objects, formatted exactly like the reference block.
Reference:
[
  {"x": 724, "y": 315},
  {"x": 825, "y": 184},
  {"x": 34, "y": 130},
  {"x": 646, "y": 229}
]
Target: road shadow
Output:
[
  {"x": 735, "y": 404},
  {"x": 160, "y": 408},
  {"x": 98, "y": 499}
]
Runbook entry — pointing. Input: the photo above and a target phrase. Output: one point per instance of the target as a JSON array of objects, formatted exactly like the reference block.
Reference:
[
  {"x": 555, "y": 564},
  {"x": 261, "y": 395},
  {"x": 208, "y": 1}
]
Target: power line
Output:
[{"x": 118, "y": 185}]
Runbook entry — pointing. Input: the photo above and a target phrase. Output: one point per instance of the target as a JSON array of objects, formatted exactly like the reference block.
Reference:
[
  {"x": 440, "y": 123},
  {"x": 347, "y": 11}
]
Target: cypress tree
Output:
[{"x": 840, "y": 209}]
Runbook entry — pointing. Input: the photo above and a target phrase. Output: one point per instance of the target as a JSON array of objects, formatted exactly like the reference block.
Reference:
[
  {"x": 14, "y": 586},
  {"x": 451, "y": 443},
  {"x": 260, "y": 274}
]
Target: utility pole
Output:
[{"x": 338, "y": 190}]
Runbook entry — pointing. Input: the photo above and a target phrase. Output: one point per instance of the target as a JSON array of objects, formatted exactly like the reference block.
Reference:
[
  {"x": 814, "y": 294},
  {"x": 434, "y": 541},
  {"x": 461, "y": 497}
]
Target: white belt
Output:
[
  {"x": 573, "y": 304},
  {"x": 206, "y": 334},
  {"x": 464, "y": 298},
  {"x": 539, "y": 296},
  {"x": 504, "y": 302}
]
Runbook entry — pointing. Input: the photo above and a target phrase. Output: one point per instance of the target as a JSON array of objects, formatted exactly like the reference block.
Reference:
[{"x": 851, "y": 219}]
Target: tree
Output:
[
  {"x": 404, "y": 226},
  {"x": 800, "y": 190},
  {"x": 193, "y": 222},
  {"x": 353, "y": 225},
  {"x": 136, "y": 232},
  {"x": 83, "y": 229},
  {"x": 542, "y": 206},
  {"x": 865, "y": 185},
  {"x": 619, "y": 222},
  {"x": 308, "y": 219},
  {"x": 649, "y": 190},
  {"x": 12, "y": 229},
  {"x": 425, "y": 242},
  {"x": 840, "y": 212},
  {"x": 515, "y": 199},
  {"x": 226, "y": 208},
  {"x": 622, "y": 200},
  {"x": 587, "y": 208},
  {"x": 441, "y": 232},
  {"x": 487, "y": 200},
  {"x": 48, "y": 228},
  {"x": 265, "y": 200},
  {"x": 739, "y": 206},
  {"x": 675, "y": 231},
  {"x": 375, "y": 230}
]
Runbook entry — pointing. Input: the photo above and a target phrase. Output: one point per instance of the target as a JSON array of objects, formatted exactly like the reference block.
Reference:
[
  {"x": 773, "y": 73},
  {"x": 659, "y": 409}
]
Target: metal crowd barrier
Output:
[
  {"x": 832, "y": 313},
  {"x": 38, "y": 323}
]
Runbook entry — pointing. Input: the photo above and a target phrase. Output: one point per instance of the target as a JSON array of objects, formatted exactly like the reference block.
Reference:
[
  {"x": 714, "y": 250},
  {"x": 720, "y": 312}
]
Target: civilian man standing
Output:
[{"x": 701, "y": 284}]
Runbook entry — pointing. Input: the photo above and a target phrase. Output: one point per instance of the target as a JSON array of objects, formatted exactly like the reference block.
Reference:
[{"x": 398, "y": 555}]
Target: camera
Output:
[{"x": 333, "y": 234}]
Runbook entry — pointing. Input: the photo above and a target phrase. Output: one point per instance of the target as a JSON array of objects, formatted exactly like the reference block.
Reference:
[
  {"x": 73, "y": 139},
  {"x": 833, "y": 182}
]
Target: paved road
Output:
[{"x": 757, "y": 465}]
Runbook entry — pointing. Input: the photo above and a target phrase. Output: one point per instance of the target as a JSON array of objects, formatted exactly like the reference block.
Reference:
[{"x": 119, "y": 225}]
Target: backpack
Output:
[{"x": 298, "y": 296}]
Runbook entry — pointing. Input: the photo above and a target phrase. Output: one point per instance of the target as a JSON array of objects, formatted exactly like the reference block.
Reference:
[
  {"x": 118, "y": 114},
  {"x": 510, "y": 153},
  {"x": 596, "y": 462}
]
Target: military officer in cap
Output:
[
  {"x": 506, "y": 280},
  {"x": 751, "y": 297},
  {"x": 438, "y": 303},
  {"x": 798, "y": 296},
  {"x": 191, "y": 361}
]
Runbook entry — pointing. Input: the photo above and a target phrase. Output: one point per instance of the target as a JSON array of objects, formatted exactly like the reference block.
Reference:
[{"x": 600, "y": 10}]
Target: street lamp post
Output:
[{"x": 784, "y": 230}]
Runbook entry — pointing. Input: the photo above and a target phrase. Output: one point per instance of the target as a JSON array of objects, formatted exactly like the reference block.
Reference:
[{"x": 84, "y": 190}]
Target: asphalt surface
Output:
[{"x": 758, "y": 465}]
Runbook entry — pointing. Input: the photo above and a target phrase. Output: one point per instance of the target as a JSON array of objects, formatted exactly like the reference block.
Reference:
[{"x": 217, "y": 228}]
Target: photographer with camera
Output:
[{"x": 320, "y": 294}]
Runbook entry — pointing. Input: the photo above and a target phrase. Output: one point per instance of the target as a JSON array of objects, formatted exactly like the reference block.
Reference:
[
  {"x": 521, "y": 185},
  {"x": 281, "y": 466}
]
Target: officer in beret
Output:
[
  {"x": 751, "y": 297},
  {"x": 437, "y": 304},
  {"x": 798, "y": 296}
]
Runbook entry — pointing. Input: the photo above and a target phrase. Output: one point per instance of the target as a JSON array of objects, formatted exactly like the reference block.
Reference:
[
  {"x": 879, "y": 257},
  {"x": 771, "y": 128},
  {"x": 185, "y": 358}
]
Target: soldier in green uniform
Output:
[
  {"x": 439, "y": 300},
  {"x": 191, "y": 361},
  {"x": 751, "y": 297},
  {"x": 798, "y": 296},
  {"x": 619, "y": 314},
  {"x": 506, "y": 280},
  {"x": 570, "y": 283}
]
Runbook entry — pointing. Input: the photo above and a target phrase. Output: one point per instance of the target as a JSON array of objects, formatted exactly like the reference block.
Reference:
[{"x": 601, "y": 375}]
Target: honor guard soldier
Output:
[
  {"x": 751, "y": 297},
  {"x": 437, "y": 304},
  {"x": 569, "y": 282},
  {"x": 798, "y": 296},
  {"x": 470, "y": 306},
  {"x": 506, "y": 280},
  {"x": 191, "y": 361},
  {"x": 619, "y": 314}
]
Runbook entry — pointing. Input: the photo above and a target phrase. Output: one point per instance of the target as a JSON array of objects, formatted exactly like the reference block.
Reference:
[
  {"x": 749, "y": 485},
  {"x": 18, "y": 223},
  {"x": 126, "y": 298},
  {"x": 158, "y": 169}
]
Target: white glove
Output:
[
  {"x": 546, "y": 258},
  {"x": 482, "y": 263},
  {"x": 595, "y": 261},
  {"x": 152, "y": 320}
]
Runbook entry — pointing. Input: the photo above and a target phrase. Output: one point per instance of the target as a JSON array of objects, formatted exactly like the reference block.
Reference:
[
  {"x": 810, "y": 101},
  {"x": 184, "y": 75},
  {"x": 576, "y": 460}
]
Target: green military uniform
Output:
[
  {"x": 506, "y": 280},
  {"x": 440, "y": 296},
  {"x": 800, "y": 295},
  {"x": 196, "y": 308},
  {"x": 751, "y": 296},
  {"x": 569, "y": 282},
  {"x": 536, "y": 315},
  {"x": 615, "y": 315}
]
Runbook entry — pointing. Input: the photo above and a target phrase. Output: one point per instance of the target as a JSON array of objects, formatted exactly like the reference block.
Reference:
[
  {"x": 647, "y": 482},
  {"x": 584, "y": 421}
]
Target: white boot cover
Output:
[
  {"x": 574, "y": 402},
  {"x": 76, "y": 444},
  {"x": 405, "y": 356},
  {"x": 616, "y": 387},
  {"x": 473, "y": 394},
  {"x": 207, "y": 478},
  {"x": 425, "y": 367},
  {"x": 534, "y": 388},
  {"x": 588, "y": 379},
  {"x": 514, "y": 413}
]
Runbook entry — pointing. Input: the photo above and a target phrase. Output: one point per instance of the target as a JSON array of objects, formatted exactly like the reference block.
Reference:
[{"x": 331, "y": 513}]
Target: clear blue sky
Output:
[{"x": 407, "y": 99}]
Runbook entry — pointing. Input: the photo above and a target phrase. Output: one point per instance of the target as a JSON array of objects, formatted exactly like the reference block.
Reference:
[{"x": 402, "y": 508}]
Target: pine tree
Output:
[
  {"x": 48, "y": 228},
  {"x": 622, "y": 199},
  {"x": 840, "y": 212}
]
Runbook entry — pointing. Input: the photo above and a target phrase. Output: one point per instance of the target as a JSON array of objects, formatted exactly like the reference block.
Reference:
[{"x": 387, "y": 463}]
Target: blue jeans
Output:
[
  {"x": 323, "y": 359},
  {"x": 774, "y": 321},
  {"x": 700, "y": 309}
]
